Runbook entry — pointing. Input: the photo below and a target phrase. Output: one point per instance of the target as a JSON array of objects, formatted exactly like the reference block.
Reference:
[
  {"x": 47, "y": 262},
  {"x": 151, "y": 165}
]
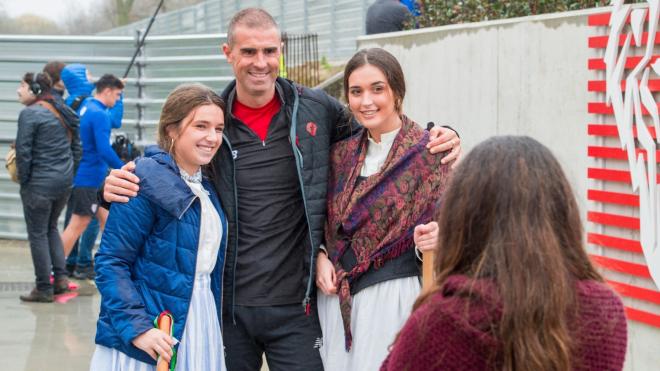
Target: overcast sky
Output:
[{"x": 55, "y": 10}]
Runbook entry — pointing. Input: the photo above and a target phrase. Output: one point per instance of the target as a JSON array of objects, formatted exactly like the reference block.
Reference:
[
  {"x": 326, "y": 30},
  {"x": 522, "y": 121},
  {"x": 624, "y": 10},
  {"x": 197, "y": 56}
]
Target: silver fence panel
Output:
[
  {"x": 338, "y": 23},
  {"x": 166, "y": 62}
]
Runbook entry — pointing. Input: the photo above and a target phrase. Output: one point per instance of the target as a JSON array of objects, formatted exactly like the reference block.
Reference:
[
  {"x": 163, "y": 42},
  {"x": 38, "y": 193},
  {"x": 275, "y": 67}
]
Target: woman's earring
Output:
[{"x": 171, "y": 145}]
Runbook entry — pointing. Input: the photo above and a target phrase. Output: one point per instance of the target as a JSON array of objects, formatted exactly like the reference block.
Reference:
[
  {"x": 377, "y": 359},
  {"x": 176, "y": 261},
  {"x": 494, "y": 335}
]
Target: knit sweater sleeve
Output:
[{"x": 435, "y": 338}]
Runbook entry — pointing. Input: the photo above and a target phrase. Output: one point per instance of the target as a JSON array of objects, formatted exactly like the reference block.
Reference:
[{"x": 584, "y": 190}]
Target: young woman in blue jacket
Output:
[{"x": 164, "y": 250}]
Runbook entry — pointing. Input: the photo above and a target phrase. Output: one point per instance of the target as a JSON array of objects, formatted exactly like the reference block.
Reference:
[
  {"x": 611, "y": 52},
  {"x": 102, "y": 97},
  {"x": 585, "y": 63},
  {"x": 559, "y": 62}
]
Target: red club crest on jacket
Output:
[{"x": 311, "y": 128}]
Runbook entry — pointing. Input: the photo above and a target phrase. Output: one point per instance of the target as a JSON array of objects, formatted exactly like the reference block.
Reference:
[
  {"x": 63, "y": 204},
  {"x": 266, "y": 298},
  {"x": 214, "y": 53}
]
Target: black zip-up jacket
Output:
[
  {"x": 45, "y": 157},
  {"x": 303, "y": 106}
]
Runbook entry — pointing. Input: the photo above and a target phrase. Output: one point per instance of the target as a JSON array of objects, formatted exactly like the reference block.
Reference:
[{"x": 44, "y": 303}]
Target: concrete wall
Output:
[{"x": 525, "y": 76}]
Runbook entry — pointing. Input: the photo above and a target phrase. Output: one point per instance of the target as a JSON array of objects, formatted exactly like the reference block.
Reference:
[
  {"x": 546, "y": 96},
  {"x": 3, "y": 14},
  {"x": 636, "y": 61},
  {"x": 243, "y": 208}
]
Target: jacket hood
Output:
[
  {"x": 161, "y": 183},
  {"x": 74, "y": 77}
]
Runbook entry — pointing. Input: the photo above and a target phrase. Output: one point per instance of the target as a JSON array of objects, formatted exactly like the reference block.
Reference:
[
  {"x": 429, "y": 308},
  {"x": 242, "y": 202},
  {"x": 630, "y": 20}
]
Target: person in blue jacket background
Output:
[
  {"x": 97, "y": 156},
  {"x": 165, "y": 248},
  {"x": 78, "y": 82}
]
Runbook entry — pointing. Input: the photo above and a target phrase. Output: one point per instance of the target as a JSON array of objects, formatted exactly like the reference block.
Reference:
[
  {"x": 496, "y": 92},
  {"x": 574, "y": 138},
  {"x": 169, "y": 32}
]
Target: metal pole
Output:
[
  {"x": 140, "y": 89},
  {"x": 141, "y": 41}
]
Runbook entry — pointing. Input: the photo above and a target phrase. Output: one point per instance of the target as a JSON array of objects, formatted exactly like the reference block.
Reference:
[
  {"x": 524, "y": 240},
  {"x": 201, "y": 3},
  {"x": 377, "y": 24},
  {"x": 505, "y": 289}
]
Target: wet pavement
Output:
[{"x": 42, "y": 336}]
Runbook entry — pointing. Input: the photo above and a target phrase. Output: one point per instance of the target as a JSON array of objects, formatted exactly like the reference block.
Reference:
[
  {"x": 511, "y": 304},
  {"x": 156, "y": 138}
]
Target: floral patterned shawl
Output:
[{"x": 376, "y": 217}]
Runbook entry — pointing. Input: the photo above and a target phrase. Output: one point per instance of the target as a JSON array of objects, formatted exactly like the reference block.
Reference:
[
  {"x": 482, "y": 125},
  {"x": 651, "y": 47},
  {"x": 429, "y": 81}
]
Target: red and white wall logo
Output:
[{"x": 624, "y": 190}]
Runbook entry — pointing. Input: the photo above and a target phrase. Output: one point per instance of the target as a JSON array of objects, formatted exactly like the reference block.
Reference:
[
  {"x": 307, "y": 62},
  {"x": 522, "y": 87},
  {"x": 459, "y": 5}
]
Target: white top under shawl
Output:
[{"x": 377, "y": 153}]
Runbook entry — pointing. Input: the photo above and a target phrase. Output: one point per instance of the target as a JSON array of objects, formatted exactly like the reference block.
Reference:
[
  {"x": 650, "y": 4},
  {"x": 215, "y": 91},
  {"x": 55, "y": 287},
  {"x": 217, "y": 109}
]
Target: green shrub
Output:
[{"x": 443, "y": 12}]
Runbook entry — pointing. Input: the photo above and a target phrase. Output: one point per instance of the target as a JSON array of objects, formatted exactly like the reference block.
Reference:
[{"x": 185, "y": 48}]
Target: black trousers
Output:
[
  {"x": 289, "y": 338},
  {"x": 41, "y": 211}
]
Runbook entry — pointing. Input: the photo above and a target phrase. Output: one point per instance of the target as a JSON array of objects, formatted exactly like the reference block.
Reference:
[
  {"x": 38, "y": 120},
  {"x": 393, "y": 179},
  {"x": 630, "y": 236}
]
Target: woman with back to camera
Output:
[
  {"x": 383, "y": 183},
  {"x": 514, "y": 287},
  {"x": 47, "y": 152}
]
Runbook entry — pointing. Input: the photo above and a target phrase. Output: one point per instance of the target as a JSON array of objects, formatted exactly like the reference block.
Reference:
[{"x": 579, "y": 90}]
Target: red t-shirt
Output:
[{"x": 257, "y": 119}]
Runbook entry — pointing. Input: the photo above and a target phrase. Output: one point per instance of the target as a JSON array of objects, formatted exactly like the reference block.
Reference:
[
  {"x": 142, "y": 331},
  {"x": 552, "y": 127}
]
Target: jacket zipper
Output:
[
  {"x": 233, "y": 282},
  {"x": 299, "y": 166}
]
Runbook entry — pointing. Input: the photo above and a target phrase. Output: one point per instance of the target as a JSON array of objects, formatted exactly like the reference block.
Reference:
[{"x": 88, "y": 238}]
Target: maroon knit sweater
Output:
[{"x": 439, "y": 335}]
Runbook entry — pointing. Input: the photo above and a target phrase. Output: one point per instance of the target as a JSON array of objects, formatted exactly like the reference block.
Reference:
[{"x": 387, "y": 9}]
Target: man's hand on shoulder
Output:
[
  {"x": 121, "y": 184},
  {"x": 443, "y": 139}
]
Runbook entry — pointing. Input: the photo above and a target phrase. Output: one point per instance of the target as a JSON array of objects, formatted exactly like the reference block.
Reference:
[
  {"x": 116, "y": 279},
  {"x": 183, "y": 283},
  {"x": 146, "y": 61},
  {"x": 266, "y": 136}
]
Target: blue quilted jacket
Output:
[{"x": 146, "y": 262}]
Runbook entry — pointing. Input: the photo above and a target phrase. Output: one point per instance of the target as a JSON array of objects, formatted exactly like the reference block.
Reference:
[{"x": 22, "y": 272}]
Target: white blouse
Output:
[
  {"x": 210, "y": 233},
  {"x": 377, "y": 153}
]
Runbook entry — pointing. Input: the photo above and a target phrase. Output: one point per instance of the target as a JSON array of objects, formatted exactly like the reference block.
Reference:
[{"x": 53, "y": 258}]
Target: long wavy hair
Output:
[{"x": 509, "y": 215}]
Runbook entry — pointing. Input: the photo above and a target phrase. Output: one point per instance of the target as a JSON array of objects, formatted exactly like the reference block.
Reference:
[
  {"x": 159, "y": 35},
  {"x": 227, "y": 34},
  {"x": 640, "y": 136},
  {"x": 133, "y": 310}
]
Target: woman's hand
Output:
[
  {"x": 155, "y": 342},
  {"x": 426, "y": 236},
  {"x": 325, "y": 274}
]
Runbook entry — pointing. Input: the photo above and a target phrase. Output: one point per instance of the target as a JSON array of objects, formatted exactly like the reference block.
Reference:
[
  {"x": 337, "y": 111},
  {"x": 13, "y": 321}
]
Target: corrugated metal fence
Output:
[
  {"x": 338, "y": 23},
  {"x": 167, "y": 61}
]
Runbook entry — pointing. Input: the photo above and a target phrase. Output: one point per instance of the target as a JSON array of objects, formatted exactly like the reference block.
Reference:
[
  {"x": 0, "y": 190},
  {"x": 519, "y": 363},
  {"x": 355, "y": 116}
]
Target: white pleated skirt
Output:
[
  {"x": 200, "y": 349},
  {"x": 377, "y": 315}
]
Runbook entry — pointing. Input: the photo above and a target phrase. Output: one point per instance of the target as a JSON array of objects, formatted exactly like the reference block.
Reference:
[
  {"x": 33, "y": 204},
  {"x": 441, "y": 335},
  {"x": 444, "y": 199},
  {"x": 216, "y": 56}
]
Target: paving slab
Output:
[{"x": 44, "y": 336}]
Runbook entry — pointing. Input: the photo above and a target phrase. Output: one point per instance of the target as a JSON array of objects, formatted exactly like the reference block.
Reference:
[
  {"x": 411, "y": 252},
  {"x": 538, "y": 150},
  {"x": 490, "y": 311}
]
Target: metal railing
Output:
[
  {"x": 165, "y": 62},
  {"x": 337, "y": 23},
  {"x": 301, "y": 58}
]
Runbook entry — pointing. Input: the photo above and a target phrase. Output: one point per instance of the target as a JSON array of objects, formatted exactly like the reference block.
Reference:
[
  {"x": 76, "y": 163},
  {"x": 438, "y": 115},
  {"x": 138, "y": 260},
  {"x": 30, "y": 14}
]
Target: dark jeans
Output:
[
  {"x": 41, "y": 211},
  {"x": 289, "y": 338}
]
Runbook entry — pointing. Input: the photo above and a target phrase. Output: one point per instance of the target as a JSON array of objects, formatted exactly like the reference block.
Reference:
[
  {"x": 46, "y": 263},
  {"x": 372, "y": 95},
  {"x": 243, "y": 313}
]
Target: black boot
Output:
[
  {"x": 70, "y": 268},
  {"x": 61, "y": 285},
  {"x": 38, "y": 296},
  {"x": 84, "y": 273}
]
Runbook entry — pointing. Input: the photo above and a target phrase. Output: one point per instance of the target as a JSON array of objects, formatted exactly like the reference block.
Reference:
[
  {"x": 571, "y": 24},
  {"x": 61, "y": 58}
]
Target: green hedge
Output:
[{"x": 443, "y": 12}]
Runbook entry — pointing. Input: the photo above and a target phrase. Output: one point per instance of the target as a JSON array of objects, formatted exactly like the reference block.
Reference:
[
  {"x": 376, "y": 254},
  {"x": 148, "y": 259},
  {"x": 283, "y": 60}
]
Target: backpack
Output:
[
  {"x": 10, "y": 164},
  {"x": 124, "y": 148},
  {"x": 78, "y": 101}
]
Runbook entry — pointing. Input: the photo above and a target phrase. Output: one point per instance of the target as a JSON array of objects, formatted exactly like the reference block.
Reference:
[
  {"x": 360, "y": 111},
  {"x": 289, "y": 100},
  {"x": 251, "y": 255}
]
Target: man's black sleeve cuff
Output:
[
  {"x": 99, "y": 197},
  {"x": 452, "y": 129}
]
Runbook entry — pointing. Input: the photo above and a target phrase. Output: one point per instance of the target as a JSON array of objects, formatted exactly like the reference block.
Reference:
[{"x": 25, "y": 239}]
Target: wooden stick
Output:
[
  {"x": 427, "y": 270},
  {"x": 164, "y": 324}
]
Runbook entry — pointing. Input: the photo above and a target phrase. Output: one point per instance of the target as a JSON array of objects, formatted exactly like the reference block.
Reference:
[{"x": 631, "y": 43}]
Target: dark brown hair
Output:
[
  {"x": 509, "y": 215},
  {"x": 108, "y": 81},
  {"x": 251, "y": 18},
  {"x": 54, "y": 69},
  {"x": 39, "y": 84},
  {"x": 387, "y": 64},
  {"x": 180, "y": 102}
]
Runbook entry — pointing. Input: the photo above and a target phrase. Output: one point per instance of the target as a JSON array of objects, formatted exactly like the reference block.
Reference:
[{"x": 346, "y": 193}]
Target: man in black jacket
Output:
[{"x": 271, "y": 176}]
